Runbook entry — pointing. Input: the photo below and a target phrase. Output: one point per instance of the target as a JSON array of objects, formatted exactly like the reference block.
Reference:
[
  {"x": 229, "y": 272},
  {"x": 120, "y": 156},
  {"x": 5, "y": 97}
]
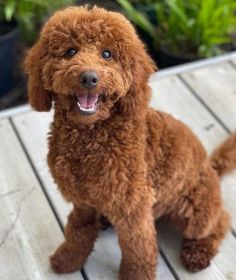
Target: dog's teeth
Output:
[{"x": 86, "y": 109}]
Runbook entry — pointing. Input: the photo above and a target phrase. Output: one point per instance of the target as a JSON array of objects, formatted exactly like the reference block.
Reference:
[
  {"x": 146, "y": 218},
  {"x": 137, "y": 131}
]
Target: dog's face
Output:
[{"x": 89, "y": 61}]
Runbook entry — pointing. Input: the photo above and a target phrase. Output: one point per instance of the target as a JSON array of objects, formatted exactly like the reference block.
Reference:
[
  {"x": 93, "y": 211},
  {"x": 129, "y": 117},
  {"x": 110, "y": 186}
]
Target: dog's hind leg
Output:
[
  {"x": 80, "y": 234},
  {"x": 202, "y": 220},
  {"x": 197, "y": 253}
]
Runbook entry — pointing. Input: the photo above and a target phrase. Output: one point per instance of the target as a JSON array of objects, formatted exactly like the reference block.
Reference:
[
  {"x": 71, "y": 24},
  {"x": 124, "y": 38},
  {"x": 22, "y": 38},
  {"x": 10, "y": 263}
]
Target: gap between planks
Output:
[{"x": 215, "y": 87}]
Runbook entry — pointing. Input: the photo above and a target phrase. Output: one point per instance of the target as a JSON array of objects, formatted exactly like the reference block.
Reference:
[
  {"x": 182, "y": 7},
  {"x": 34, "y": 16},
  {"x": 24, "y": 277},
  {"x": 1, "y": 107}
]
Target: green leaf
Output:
[
  {"x": 138, "y": 18},
  {"x": 176, "y": 8},
  {"x": 9, "y": 10}
]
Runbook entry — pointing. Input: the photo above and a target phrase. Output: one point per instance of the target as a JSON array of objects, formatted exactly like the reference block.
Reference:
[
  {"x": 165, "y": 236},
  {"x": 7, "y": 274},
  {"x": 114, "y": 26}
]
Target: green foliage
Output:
[
  {"x": 193, "y": 27},
  {"x": 29, "y": 14},
  {"x": 138, "y": 18}
]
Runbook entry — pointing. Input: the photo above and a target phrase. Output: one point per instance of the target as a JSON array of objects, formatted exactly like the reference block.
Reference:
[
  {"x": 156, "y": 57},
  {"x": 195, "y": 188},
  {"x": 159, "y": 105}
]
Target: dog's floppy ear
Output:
[
  {"x": 39, "y": 98},
  {"x": 139, "y": 93},
  {"x": 143, "y": 67}
]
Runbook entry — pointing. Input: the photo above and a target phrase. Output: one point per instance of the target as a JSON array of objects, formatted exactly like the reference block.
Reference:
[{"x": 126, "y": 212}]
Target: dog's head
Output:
[{"x": 91, "y": 62}]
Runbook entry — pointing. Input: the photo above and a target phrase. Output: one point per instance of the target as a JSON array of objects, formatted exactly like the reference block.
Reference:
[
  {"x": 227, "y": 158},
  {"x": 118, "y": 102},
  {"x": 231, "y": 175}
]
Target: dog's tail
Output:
[{"x": 223, "y": 158}]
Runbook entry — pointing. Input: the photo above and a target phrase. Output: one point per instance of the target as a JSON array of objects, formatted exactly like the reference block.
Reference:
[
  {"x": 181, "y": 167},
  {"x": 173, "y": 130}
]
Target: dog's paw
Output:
[
  {"x": 65, "y": 260},
  {"x": 196, "y": 255}
]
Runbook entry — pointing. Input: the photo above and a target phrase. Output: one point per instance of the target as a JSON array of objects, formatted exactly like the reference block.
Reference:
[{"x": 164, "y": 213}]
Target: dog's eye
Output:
[
  {"x": 71, "y": 52},
  {"x": 106, "y": 54}
]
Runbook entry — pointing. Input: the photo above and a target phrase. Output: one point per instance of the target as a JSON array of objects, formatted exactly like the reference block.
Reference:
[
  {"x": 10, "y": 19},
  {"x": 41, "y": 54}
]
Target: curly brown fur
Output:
[
  {"x": 125, "y": 161},
  {"x": 224, "y": 157}
]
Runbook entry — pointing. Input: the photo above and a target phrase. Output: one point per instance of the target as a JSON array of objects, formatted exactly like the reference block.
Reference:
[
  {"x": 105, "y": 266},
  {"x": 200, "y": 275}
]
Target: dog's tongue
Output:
[{"x": 87, "y": 101}]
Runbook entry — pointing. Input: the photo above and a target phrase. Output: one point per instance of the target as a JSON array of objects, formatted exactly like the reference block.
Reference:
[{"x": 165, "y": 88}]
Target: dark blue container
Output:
[{"x": 8, "y": 36}]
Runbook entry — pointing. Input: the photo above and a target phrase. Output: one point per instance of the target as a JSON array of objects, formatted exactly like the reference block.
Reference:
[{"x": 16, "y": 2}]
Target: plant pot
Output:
[
  {"x": 228, "y": 47},
  {"x": 162, "y": 56},
  {"x": 8, "y": 36},
  {"x": 165, "y": 58}
]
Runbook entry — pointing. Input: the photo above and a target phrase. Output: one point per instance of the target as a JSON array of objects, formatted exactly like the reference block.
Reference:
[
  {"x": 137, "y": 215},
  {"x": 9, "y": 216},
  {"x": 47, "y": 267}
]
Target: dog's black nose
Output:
[{"x": 89, "y": 79}]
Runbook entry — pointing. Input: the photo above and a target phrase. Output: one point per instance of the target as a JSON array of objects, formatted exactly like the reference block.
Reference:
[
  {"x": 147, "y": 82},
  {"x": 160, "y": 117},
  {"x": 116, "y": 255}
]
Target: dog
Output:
[{"x": 114, "y": 157}]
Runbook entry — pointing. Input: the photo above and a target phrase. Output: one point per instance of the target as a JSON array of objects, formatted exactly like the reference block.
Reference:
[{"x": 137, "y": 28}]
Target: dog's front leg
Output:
[
  {"x": 137, "y": 238},
  {"x": 80, "y": 234}
]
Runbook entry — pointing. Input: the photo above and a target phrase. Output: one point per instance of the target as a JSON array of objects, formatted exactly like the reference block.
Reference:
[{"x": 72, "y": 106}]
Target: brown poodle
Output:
[{"x": 113, "y": 156}]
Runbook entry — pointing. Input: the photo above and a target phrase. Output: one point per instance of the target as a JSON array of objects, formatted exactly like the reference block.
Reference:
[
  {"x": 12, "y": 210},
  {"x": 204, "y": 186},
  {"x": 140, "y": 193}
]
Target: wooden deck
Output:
[{"x": 32, "y": 212}]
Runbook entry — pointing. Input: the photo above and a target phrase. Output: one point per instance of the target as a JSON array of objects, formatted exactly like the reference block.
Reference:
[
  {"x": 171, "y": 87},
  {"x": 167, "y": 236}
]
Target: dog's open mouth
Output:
[{"x": 87, "y": 103}]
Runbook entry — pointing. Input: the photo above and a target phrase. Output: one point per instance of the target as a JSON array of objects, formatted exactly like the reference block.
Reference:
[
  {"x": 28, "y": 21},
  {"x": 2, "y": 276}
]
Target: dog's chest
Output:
[{"x": 92, "y": 170}]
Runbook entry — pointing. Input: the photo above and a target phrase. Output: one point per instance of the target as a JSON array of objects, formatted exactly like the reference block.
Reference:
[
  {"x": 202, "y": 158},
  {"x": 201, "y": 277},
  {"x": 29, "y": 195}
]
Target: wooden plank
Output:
[
  {"x": 33, "y": 128},
  {"x": 15, "y": 111},
  {"x": 103, "y": 264},
  {"x": 234, "y": 61},
  {"x": 29, "y": 232},
  {"x": 215, "y": 85}
]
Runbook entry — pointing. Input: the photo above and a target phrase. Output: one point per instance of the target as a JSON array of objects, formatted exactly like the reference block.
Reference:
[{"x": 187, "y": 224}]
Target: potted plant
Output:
[
  {"x": 8, "y": 35},
  {"x": 186, "y": 30},
  {"x": 20, "y": 19}
]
